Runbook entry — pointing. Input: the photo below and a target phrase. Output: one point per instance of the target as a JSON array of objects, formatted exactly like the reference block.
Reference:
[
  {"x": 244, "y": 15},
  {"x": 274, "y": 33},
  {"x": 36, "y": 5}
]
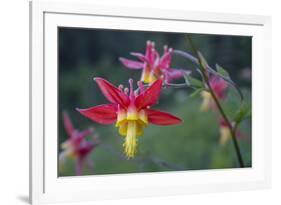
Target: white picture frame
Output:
[{"x": 46, "y": 186}]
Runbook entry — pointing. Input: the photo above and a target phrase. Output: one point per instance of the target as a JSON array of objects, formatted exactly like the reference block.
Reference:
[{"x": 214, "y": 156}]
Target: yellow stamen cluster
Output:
[
  {"x": 131, "y": 123},
  {"x": 130, "y": 144}
]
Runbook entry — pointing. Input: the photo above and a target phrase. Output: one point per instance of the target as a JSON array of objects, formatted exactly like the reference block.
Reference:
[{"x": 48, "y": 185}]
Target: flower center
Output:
[{"x": 131, "y": 124}]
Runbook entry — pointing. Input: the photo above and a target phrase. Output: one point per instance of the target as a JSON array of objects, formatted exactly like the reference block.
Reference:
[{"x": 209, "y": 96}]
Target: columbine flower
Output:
[
  {"x": 153, "y": 66},
  {"x": 130, "y": 112},
  {"x": 219, "y": 86},
  {"x": 76, "y": 147},
  {"x": 225, "y": 134}
]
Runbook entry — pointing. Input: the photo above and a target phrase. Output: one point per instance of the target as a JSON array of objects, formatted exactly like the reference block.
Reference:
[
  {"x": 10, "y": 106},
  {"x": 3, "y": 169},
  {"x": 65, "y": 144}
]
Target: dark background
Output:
[{"x": 87, "y": 53}]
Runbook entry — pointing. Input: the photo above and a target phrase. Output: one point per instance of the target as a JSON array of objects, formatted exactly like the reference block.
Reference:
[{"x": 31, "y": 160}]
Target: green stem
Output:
[
  {"x": 209, "y": 68},
  {"x": 177, "y": 85},
  {"x": 168, "y": 85},
  {"x": 218, "y": 104}
]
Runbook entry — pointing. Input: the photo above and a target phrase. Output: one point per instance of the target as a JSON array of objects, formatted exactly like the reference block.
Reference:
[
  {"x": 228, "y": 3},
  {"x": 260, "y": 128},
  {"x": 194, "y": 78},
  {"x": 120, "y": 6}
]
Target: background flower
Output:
[
  {"x": 76, "y": 147},
  {"x": 153, "y": 65},
  {"x": 219, "y": 86},
  {"x": 225, "y": 135}
]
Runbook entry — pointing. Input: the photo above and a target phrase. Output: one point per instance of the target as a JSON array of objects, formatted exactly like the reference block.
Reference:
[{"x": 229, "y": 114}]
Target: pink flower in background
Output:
[
  {"x": 130, "y": 112},
  {"x": 153, "y": 66},
  {"x": 219, "y": 86},
  {"x": 76, "y": 147},
  {"x": 225, "y": 134}
]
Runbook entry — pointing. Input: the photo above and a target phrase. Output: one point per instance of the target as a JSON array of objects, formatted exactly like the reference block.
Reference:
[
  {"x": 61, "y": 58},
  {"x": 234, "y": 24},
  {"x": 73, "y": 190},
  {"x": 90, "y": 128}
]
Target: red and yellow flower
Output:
[
  {"x": 130, "y": 111},
  {"x": 153, "y": 66}
]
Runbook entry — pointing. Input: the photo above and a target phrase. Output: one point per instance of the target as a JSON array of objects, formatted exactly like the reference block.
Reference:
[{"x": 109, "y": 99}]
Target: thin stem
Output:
[
  {"x": 174, "y": 85},
  {"x": 206, "y": 79},
  {"x": 167, "y": 85},
  {"x": 209, "y": 69}
]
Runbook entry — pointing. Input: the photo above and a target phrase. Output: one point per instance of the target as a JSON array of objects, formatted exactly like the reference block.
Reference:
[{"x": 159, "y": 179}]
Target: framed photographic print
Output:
[{"x": 127, "y": 102}]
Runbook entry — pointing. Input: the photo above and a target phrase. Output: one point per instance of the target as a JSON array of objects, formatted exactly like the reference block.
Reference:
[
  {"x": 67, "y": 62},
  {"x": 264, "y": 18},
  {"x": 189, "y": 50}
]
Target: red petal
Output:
[
  {"x": 149, "y": 54},
  {"x": 219, "y": 86},
  {"x": 162, "y": 118},
  {"x": 156, "y": 56},
  {"x": 171, "y": 74},
  {"x": 131, "y": 64},
  {"x": 150, "y": 96},
  {"x": 139, "y": 56},
  {"x": 103, "y": 114},
  {"x": 113, "y": 94},
  {"x": 165, "y": 61},
  {"x": 85, "y": 133},
  {"x": 83, "y": 151},
  {"x": 85, "y": 148},
  {"x": 68, "y": 124}
]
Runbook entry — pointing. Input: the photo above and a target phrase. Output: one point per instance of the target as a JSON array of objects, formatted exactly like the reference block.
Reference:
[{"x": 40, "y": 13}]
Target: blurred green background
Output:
[{"x": 193, "y": 145}]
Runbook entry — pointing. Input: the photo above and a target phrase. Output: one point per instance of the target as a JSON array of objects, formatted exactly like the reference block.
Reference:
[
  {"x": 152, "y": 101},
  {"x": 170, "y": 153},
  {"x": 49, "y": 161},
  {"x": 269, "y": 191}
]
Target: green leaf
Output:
[
  {"x": 243, "y": 113},
  {"x": 203, "y": 60},
  {"x": 222, "y": 71},
  {"x": 190, "y": 81},
  {"x": 196, "y": 92}
]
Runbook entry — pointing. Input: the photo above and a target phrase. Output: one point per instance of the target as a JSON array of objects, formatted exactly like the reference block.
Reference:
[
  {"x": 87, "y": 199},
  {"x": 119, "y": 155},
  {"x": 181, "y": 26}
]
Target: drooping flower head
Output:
[
  {"x": 130, "y": 111},
  {"x": 225, "y": 133},
  {"x": 153, "y": 66},
  {"x": 219, "y": 86},
  {"x": 76, "y": 147}
]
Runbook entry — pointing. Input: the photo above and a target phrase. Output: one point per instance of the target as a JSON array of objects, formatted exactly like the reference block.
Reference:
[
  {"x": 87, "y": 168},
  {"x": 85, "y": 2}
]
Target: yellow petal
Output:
[
  {"x": 147, "y": 75},
  {"x": 143, "y": 117},
  {"x": 140, "y": 128},
  {"x": 123, "y": 129},
  {"x": 207, "y": 100},
  {"x": 121, "y": 117},
  {"x": 151, "y": 78},
  {"x": 224, "y": 135},
  {"x": 132, "y": 113},
  {"x": 66, "y": 144}
]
